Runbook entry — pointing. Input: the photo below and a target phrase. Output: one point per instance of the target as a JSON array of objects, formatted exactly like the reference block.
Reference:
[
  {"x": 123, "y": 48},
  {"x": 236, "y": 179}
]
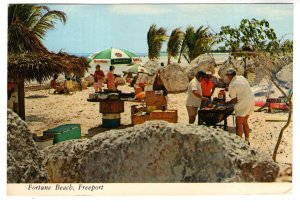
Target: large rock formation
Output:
[
  {"x": 174, "y": 78},
  {"x": 261, "y": 66},
  {"x": 238, "y": 65},
  {"x": 90, "y": 80},
  {"x": 203, "y": 62},
  {"x": 151, "y": 66},
  {"x": 158, "y": 151},
  {"x": 286, "y": 73},
  {"x": 120, "y": 81},
  {"x": 24, "y": 160},
  {"x": 219, "y": 83}
]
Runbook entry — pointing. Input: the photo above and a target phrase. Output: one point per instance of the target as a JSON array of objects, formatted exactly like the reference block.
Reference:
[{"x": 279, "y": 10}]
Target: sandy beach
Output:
[{"x": 45, "y": 110}]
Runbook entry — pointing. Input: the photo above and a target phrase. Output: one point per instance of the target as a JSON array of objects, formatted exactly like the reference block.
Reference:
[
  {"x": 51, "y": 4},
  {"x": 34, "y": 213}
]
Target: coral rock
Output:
[{"x": 157, "y": 151}]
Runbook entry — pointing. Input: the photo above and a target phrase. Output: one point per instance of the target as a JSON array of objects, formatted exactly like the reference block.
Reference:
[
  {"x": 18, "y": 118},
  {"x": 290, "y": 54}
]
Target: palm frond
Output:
[
  {"x": 21, "y": 39},
  {"x": 155, "y": 38},
  {"x": 47, "y": 22},
  {"x": 174, "y": 43}
]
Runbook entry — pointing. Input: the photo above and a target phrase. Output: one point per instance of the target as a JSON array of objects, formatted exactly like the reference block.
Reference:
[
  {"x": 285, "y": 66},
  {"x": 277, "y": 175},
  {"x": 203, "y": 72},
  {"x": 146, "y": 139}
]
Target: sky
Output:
[{"x": 93, "y": 27}]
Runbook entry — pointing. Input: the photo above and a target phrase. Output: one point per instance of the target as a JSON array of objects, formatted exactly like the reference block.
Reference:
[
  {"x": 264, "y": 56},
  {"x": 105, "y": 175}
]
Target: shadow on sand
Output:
[
  {"x": 100, "y": 129},
  {"x": 36, "y": 96},
  {"x": 35, "y": 118}
]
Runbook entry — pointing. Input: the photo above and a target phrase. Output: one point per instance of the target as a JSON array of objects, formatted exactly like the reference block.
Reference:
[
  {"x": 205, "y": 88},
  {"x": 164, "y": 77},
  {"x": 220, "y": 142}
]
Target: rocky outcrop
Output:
[
  {"x": 286, "y": 73},
  {"x": 151, "y": 66},
  {"x": 238, "y": 65},
  {"x": 24, "y": 160},
  {"x": 158, "y": 151},
  {"x": 219, "y": 83},
  {"x": 90, "y": 80},
  {"x": 120, "y": 81},
  {"x": 174, "y": 78},
  {"x": 261, "y": 66},
  {"x": 203, "y": 62}
]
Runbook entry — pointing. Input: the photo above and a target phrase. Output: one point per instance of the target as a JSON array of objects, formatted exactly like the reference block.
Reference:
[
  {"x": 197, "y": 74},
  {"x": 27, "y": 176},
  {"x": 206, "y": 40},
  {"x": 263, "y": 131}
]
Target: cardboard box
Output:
[
  {"x": 139, "y": 119},
  {"x": 167, "y": 115},
  {"x": 155, "y": 98}
]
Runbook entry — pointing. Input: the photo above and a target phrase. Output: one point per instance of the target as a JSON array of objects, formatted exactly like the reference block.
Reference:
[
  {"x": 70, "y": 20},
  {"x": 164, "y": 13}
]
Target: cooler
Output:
[{"x": 64, "y": 132}]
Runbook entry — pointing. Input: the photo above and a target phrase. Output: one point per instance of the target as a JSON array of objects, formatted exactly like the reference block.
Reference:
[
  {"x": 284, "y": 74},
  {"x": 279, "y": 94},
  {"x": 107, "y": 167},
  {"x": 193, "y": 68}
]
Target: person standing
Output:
[
  {"x": 243, "y": 100},
  {"x": 158, "y": 83},
  {"x": 111, "y": 78},
  {"x": 99, "y": 77},
  {"x": 208, "y": 88},
  {"x": 195, "y": 96}
]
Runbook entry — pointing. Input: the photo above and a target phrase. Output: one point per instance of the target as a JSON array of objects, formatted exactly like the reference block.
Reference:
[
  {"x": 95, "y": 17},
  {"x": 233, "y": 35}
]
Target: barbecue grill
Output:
[{"x": 211, "y": 117}]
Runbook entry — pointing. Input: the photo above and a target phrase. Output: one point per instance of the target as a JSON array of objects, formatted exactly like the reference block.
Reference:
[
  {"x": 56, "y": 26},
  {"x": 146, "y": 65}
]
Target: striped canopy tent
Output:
[{"x": 114, "y": 56}]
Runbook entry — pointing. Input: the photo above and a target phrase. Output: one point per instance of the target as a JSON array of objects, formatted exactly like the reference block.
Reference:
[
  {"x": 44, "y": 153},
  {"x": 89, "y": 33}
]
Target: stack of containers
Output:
[{"x": 111, "y": 110}]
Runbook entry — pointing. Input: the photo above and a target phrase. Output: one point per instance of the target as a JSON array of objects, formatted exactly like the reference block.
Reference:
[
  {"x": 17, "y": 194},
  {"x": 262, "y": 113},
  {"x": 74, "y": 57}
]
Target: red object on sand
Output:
[
  {"x": 260, "y": 103},
  {"x": 281, "y": 106}
]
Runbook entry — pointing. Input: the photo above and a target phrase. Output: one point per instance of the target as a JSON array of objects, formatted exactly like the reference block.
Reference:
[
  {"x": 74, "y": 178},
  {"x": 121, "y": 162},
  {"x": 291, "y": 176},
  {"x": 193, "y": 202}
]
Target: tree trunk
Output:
[
  {"x": 21, "y": 97},
  {"x": 245, "y": 73},
  {"x": 281, "y": 133},
  {"x": 288, "y": 121},
  {"x": 179, "y": 58}
]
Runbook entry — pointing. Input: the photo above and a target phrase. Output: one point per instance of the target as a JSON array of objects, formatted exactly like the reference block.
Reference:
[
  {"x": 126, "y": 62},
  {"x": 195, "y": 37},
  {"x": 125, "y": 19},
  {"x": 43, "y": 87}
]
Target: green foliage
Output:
[
  {"x": 155, "y": 38},
  {"x": 174, "y": 43},
  {"x": 36, "y": 18},
  {"x": 287, "y": 47},
  {"x": 251, "y": 35},
  {"x": 196, "y": 42}
]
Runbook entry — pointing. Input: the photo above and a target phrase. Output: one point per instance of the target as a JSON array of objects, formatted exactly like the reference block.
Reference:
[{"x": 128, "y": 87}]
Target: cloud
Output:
[{"x": 138, "y": 9}]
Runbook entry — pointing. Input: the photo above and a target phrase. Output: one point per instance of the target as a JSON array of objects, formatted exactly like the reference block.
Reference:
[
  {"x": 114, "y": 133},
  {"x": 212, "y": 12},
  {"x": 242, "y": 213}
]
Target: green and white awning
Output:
[{"x": 114, "y": 56}]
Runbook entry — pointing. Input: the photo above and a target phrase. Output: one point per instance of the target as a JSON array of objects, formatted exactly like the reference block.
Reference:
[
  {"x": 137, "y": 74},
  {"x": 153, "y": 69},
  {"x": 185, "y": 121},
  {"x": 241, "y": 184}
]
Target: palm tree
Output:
[
  {"x": 155, "y": 38},
  {"x": 28, "y": 58},
  {"x": 174, "y": 43},
  {"x": 195, "y": 43},
  {"x": 37, "y": 18}
]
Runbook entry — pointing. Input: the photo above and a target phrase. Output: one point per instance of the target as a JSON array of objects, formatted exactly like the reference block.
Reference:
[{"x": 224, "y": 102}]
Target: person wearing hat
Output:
[
  {"x": 243, "y": 100},
  {"x": 208, "y": 88},
  {"x": 195, "y": 96}
]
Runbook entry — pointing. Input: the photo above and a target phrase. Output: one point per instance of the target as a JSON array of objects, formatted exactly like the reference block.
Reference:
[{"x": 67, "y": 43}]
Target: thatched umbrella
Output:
[
  {"x": 40, "y": 67},
  {"x": 29, "y": 60}
]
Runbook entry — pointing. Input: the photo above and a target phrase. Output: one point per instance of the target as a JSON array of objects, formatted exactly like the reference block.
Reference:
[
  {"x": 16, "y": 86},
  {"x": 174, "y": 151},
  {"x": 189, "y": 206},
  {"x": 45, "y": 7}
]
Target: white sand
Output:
[{"x": 44, "y": 111}]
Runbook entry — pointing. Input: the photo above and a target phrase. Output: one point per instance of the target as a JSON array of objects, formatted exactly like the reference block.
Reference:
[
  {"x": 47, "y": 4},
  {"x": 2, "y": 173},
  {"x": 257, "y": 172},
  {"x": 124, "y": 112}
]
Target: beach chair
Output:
[{"x": 69, "y": 86}]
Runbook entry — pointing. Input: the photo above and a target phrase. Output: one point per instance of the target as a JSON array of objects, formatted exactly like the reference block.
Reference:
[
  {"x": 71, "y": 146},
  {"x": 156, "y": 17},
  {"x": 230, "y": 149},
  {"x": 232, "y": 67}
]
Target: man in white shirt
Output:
[
  {"x": 244, "y": 100},
  {"x": 194, "y": 98}
]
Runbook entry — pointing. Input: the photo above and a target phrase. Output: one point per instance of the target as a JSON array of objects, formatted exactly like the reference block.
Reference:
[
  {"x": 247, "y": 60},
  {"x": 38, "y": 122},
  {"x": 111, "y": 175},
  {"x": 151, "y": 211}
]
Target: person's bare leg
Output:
[
  {"x": 192, "y": 114},
  {"x": 100, "y": 85},
  {"x": 192, "y": 119},
  {"x": 246, "y": 127},
  {"x": 95, "y": 87},
  {"x": 239, "y": 126}
]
